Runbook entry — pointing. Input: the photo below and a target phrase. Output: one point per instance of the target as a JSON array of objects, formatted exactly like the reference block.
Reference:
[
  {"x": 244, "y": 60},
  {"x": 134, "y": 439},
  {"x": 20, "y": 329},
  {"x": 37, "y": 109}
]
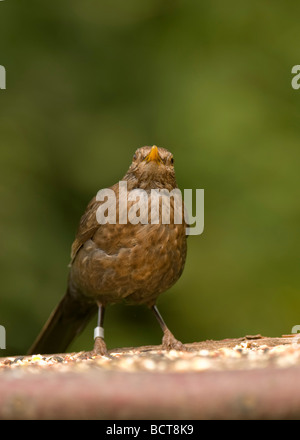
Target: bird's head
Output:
[{"x": 152, "y": 167}]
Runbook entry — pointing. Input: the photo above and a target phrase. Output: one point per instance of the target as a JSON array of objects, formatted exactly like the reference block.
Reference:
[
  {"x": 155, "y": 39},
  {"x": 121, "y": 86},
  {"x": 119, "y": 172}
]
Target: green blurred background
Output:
[{"x": 89, "y": 82}]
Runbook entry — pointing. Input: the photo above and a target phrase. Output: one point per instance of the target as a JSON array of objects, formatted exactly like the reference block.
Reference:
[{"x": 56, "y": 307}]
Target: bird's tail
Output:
[{"x": 65, "y": 322}]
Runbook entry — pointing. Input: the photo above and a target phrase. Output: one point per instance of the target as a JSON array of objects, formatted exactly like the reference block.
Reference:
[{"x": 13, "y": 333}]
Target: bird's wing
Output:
[
  {"x": 88, "y": 224},
  {"x": 87, "y": 227}
]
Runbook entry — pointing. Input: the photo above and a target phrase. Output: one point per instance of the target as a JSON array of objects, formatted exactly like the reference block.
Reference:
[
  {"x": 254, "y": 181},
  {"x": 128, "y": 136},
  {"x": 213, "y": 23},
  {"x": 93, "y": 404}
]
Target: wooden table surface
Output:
[{"x": 253, "y": 377}]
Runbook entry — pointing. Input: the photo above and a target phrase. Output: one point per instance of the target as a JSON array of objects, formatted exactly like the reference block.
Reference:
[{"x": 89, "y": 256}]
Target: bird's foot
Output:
[
  {"x": 169, "y": 342},
  {"x": 100, "y": 347}
]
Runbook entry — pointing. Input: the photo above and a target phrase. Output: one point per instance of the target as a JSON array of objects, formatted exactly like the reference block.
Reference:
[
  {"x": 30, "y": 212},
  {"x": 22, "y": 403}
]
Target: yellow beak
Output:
[{"x": 154, "y": 155}]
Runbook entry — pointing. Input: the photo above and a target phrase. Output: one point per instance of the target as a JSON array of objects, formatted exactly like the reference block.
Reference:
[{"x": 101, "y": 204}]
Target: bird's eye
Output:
[
  {"x": 172, "y": 160},
  {"x": 135, "y": 156}
]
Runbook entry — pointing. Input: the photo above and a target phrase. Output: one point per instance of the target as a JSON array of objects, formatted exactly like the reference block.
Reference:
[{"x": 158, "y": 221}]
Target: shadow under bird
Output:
[{"x": 111, "y": 263}]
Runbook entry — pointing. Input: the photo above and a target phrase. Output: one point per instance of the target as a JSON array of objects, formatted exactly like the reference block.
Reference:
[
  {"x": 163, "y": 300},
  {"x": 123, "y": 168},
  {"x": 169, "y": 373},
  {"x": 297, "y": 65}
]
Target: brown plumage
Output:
[{"x": 111, "y": 263}]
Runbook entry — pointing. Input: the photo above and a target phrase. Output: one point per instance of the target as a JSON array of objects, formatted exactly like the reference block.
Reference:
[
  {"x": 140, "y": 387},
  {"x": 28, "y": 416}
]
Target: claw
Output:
[{"x": 169, "y": 342}]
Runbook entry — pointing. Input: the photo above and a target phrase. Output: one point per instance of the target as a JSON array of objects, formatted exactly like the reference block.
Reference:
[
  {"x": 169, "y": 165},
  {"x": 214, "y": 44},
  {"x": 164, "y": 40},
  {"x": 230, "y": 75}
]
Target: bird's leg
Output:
[
  {"x": 100, "y": 346},
  {"x": 169, "y": 342}
]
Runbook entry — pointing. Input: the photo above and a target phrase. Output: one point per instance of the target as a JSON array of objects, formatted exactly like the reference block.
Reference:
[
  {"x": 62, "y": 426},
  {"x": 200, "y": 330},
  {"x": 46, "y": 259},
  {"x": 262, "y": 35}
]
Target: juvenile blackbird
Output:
[{"x": 115, "y": 262}]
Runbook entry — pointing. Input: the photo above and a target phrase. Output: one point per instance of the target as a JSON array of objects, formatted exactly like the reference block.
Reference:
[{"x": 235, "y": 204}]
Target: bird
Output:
[{"x": 113, "y": 262}]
